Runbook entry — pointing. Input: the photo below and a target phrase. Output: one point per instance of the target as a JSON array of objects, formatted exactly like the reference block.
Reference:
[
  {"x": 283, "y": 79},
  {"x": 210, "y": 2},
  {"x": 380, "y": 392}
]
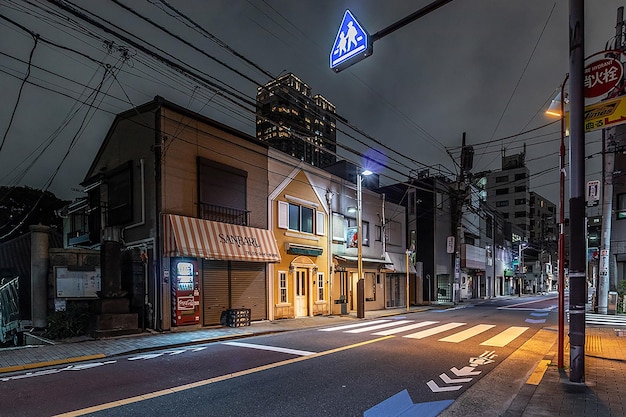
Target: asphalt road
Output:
[{"x": 341, "y": 371}]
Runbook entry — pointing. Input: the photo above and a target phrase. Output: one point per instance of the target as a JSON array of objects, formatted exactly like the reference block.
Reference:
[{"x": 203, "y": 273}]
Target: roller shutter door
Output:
[
  {"x": 248, "y": 286},
  {"x": 214, "y": 291}
]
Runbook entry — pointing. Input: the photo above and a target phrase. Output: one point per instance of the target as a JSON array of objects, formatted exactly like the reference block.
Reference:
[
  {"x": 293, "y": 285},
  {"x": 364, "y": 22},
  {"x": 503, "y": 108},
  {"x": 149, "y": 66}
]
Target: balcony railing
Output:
[{"x": 224, "y": 214}]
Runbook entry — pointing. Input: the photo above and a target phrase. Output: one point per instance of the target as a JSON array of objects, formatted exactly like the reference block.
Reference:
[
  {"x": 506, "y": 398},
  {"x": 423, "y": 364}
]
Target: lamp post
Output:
[
  {"x": 560, "y": 102},
  {"x": 360, "y": 286}
]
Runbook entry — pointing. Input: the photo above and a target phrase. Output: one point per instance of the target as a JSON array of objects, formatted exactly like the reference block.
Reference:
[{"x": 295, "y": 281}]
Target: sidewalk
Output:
[
  {"x": 505, "y": 391},
  {"x": 544, "y": 390}
]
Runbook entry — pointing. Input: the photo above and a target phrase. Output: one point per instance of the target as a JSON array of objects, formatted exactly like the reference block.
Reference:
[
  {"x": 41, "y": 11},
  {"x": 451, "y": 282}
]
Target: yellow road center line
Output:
[
  {"x": 213, "y": 380},
  {"x": 537, "y": 375}
]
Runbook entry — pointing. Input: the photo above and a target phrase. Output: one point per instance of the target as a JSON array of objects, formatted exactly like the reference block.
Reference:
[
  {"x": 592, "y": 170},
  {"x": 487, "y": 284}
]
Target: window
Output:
[
  {"x": 320, "y": 286},
  {"x": 621, "y": 206},
  {"x": 220, "y": 185},
  {"x": 521, "y": 176},
  {"x": 282, "y": 286},
  {"x": 520, "y": 201},
  {"x": 300, "y": 218},
  {"x": 439, "y": 200},
  {"x": 520, "y": 189},
  {"x": 502, "y": 178},
  {"x": 352, "y": 223},
  {"x": 519, "y": 214},
  {"x": 120, "y": 195},
  {"x": 339, "y": 228},
  {"x": 502, "y": 191},
  {"x": 393, "y": 232},
  {"x": 489, "y": 227},
  {"x": 502, "y": 203}
]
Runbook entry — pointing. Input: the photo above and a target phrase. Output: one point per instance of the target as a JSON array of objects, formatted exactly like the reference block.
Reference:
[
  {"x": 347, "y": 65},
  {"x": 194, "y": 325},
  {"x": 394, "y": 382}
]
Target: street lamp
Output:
[
  {"x": 360, "y": 286},
  {"x": 557, "y": 108}
]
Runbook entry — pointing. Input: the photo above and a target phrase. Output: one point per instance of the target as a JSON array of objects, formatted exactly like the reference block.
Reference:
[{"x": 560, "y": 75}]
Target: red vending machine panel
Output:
[{"x": 185, "y": 292}]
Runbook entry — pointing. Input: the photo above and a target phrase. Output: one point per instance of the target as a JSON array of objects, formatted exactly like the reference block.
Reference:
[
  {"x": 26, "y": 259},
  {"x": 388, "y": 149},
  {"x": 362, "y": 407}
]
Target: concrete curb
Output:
[{"x": 51, "y": 363}]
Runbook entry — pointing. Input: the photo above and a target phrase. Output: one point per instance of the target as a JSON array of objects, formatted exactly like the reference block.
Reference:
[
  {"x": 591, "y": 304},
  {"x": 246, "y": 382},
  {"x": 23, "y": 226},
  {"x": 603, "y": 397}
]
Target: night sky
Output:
[{"x": 487, "y": 68}]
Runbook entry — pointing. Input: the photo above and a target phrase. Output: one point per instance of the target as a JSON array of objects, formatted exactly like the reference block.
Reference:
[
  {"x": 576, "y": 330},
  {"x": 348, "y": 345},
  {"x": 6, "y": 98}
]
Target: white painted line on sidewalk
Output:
[{"x": 270, "y": 348}]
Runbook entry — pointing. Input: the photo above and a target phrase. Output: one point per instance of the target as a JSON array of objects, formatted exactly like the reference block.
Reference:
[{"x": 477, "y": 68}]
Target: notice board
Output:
[{"x": 77, "y": 283}]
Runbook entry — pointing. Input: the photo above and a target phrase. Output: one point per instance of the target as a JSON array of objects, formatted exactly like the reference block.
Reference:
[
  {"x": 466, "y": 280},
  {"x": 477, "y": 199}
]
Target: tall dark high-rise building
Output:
[{"x": 290, "y": 119}]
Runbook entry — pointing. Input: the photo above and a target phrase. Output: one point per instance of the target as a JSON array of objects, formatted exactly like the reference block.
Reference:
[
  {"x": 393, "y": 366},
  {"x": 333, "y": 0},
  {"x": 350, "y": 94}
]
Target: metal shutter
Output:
[
  {"x": 248, "y": 286},
  {"x": 214, "y": 291}
]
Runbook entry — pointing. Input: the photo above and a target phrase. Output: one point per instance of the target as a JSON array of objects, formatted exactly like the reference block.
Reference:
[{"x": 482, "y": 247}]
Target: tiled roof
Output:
[{"x": 15, "y": 254}]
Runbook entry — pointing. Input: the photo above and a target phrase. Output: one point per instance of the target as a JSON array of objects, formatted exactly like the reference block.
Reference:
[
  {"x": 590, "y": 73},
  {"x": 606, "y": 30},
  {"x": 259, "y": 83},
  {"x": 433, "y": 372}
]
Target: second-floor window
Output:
[{"x": 300, "y": 218}]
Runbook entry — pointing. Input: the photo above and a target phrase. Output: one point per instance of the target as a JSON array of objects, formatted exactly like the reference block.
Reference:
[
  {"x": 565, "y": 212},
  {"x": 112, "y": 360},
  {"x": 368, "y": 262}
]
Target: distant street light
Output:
[{"x": 360, "y": 286}]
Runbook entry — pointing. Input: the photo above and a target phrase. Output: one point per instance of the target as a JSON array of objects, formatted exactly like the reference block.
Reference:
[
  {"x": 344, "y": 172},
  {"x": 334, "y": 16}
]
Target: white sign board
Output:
[
  {"x": 593, "y": 192},
  {"x": 74, "y": 283}
]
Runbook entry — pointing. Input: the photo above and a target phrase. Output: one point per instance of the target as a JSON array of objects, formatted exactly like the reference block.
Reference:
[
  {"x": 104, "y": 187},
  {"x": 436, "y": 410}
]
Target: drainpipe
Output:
[{"x": 331, "y": 275}]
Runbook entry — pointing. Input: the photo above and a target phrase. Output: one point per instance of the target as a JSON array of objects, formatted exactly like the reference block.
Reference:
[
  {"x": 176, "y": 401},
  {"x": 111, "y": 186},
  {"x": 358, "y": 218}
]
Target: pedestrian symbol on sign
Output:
[{"x": 351, "y": 44}]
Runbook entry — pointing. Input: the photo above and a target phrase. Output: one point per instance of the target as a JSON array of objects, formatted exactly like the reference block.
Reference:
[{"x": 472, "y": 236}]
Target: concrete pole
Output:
[
  {"x": 39, "y": 265},
  {"x": 608, "y": 157},
  {"x": 577, "y": 276},
  {"x": 607, "y": 213},
  {"x": 360, "y": 289}
]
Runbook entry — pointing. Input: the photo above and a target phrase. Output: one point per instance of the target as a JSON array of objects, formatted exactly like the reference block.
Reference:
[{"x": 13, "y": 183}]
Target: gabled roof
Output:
[{"x": 152, "y": 106}]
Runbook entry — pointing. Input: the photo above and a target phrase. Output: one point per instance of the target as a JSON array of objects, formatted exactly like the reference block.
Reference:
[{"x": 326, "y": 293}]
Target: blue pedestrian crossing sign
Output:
[{"x": 352, "y": 44}]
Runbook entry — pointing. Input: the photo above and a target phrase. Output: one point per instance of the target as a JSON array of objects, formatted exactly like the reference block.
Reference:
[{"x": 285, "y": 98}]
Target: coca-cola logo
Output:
[{"x": 185, "y": 303}]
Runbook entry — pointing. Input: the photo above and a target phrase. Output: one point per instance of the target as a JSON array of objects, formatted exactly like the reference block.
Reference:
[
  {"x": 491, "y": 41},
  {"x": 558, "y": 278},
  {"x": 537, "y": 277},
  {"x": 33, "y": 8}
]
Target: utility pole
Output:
[
  {"x": 460, "y": 194},
  {"x": 577, "y": 276},
  {"x": 608, "y": 157}
]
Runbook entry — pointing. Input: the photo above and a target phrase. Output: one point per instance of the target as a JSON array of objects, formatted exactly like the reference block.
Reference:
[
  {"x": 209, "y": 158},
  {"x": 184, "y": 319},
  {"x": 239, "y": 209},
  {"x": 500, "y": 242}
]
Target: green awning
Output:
[{"x": 295, "y": 249}]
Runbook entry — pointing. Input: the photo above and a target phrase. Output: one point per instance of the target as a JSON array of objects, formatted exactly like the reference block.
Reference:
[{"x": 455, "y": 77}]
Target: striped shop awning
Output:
[{"x": 189, "y": 236}]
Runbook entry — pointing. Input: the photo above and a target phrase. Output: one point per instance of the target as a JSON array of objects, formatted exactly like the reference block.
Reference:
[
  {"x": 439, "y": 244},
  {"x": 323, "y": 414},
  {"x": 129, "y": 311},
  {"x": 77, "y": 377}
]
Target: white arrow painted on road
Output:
[
  {"x": 146, "y": 356},
  {"x": 535, "y": 321},
  {"x": 537, "y": 314},
  {"x": 465, "y": 371},
  {"x": 175, "y": 352},
  {"x": 445, "y": 378},
  {"x": 436, "y": 388}
]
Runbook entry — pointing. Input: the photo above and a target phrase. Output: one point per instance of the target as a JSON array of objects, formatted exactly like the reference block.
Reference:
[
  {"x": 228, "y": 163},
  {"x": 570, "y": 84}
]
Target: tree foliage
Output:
[{"x": 21, "y": 207}]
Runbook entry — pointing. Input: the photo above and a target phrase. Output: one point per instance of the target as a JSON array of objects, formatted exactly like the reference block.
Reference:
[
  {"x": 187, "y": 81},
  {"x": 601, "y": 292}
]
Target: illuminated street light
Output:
[
  {"x": 557, "y": 108},
  {"x": 360, "y": 286}
]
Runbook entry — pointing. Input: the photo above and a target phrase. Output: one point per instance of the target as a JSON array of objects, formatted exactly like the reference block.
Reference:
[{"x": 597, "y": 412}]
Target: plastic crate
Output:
[{"x": 238, "y": 317}]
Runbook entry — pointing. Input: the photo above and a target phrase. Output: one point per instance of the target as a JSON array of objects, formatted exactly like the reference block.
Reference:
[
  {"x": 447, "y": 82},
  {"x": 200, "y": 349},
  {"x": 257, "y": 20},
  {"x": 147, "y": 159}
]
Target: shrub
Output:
[{"x": 72, "y": 322}]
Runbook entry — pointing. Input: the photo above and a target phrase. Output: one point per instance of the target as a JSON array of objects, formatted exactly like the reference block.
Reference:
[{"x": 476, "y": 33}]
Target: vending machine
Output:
[{"x": 185, "y": 292}]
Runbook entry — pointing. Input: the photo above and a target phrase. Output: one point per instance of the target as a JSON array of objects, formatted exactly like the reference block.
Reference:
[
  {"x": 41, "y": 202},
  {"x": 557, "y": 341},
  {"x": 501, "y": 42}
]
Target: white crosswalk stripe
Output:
[
  {"x": 605, "y": 319},
  {"x": 377, "y": 326},
  {"x": 405, "y": 328},
  {"x": 431, "y": 328},
  {"x": 434, "y": 330},
  {"x": 466, "y": 334},
  {"x": 505, "y": 337}
]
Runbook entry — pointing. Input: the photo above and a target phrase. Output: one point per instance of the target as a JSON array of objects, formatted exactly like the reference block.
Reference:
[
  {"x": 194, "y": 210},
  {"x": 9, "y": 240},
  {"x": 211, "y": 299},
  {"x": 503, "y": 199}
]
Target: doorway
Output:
[{"x": 301, "y": 282}]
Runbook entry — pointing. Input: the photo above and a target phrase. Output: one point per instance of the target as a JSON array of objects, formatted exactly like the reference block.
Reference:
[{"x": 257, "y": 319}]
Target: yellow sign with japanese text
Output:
[{"x": 604, "y": 114}]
